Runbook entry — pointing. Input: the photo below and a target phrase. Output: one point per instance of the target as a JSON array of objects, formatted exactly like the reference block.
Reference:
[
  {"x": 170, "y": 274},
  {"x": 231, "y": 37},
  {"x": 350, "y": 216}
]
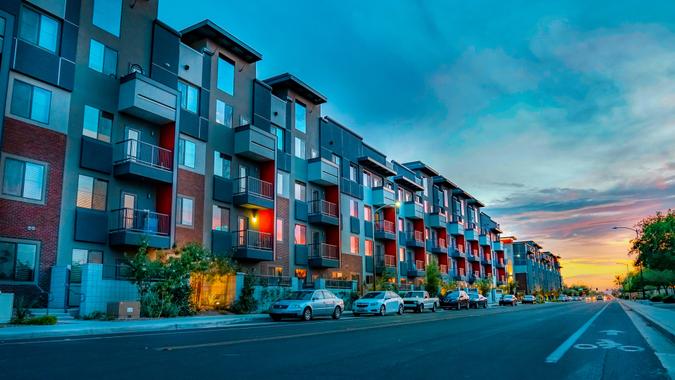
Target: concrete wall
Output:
[{"x": 97, "y": 292}]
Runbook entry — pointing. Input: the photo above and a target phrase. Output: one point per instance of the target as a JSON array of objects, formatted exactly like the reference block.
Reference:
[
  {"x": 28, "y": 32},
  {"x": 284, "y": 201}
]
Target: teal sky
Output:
[{"x": 560, "y": 116}]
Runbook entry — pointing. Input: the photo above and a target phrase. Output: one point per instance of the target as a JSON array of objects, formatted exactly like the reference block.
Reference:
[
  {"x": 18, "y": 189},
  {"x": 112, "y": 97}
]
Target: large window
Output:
[
  {"x": 300, "y": 117},
  {"x": 185, "y": 211},
  {"x": 23, "y": 179},
  {"x": 189, "y": 97},
  {"x": 223, "y": 113},
  {"x": 369, "y": 247},
  {"x": 187, "y": 153},
  {"x": 31, "y": 102},
  {"x": 367, "y": 213},
  {"x": 300, "y": 191},
  {"x": 353, "y": 208},
  {"x": 18, "y": 261},
  {"x": 97, "y": 124},
  {"x": 102, "y": 58},
  {"x": 86, "y": 256},
  {"x": 39, "y": 29},
  {"x": 220, "y": 220},
  {"x": 221, "y": 164},
  {"x": 283, "y": 184},
  {"x": 300, "y": 235},
  {"x": 107, "y": 15},
  {"x": 300, "y": 149},
  {"x": 353, "y": 173},
  {"x": 225, "y": 75},
  {"x": 91, "y": 192},
  {"x": 354, "y": 245}
]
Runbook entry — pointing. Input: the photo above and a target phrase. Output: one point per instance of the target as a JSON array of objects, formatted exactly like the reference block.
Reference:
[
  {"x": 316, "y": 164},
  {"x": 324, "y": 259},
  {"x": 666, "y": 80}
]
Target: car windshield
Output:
[
  {"x": 375, "y": 295},
  {"x": 452, "y": 295},
  {"x": 474, "y": 296},
  {"x": 508, "y": 296},
  {"x": 414, "y": 294},
  {"x": 296, "y": 296}
]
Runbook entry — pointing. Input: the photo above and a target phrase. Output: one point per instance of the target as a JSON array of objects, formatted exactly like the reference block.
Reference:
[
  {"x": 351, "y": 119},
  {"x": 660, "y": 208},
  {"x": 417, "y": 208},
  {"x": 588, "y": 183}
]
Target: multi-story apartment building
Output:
[
  {"x": 119, "y": 131},
  {"x": 534, "y": 269}
]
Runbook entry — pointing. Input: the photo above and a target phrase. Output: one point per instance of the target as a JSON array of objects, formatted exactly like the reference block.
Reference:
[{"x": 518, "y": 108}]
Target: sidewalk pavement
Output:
[{"x": 663, "y": 319}]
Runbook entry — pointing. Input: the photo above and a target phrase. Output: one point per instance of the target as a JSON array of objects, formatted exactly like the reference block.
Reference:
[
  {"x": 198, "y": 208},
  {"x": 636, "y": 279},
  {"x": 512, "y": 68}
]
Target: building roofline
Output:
[
  {"x": 294, "y": 83},
  {"x": 210, "y": 30},
  {"x": 421, "y": 166}
]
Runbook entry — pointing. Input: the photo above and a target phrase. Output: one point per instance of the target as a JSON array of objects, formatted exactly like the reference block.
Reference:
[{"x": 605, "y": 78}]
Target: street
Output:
[{"x": 526, "y": 341}]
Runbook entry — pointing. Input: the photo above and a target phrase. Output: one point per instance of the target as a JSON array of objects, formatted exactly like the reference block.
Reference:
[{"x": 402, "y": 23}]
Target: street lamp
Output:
[
  {"x": 637, "y": 235},
  {"x": 396, "y": 206}
]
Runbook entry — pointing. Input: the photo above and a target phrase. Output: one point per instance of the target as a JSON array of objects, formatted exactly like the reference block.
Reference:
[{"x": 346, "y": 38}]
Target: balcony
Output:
[
  {"x": 456, "y": 252},
  {"x": 438, "y": 220},
  {"x": 222, "y": 189},
  {"x": 385, "y": 230},
  {"x": 439, "y": 246},
  {"x": 322, "y": 172},
  {"x": 251, "y": 192},
  {"x": 471, "y": 233},
  {"x": 416, "y": 270},
  {"x": 323, "y": 212},
  {"x": 412, "y": 210},
  {"x": 443, "y": 269},
  {"x": 140, "y": 160},
  {"x": 500, "y": 263},
  {"x": 473, "y": 256},
  {"x": 254, "y": 143},
  {"x": 96, "y": 155},
  {"x": 91, "y": 225},
  {"x": 147, "y": 99},
  {"x": 250, "y": 245},
  {"x": 455, "y": 226},
  {"x": 131, "y": 227},
  {"x": 484, "y": 240},
  {"x": 497, "y": 246},
  {"x": 414, "y": 239},
  {"x": 324, "y": 255},
  {"x": 383, "y": 196}
]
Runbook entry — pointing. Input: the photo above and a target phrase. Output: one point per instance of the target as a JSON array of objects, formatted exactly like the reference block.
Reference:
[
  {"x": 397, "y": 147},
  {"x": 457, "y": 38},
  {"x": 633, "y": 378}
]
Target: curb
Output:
[{"x": 651, "y": 322}]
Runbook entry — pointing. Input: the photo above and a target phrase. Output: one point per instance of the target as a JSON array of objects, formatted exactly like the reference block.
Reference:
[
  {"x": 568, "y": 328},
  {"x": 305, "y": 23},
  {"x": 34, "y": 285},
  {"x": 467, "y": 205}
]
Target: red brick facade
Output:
[
  {"x": 18, "y": 218},
  {"x": 191, "y": 185},
  {"x": 281, "y": 249}
]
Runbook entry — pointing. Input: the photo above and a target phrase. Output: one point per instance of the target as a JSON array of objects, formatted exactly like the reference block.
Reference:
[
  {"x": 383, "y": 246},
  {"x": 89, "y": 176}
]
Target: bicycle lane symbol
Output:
[{"x": 608, "y": 344}]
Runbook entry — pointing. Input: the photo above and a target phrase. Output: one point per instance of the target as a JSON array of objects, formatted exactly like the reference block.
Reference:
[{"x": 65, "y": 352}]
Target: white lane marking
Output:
[
  {"x": 567, "y": 344},
  {"x": 662, "y": 347},
  {"x": 612, "y": 332}
]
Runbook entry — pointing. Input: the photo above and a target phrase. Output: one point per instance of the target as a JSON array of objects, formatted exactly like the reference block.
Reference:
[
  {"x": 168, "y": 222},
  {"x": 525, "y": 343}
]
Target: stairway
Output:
[{"x": 60, "y": 314}]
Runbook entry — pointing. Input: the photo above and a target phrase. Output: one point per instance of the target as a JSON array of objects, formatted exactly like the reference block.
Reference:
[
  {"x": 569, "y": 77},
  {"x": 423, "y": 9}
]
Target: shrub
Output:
[
  {"x": 246, "y": 302},
  {"x": 42, "y": 320},
  {"x": 22, "y": 308},
  {"x": 656, "y": 298},
  {"x": 669, "y": 299},
  {"x": 97, "y": 316}
]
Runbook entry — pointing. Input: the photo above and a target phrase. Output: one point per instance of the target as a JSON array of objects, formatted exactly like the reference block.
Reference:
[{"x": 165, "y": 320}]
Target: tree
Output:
[
  {"x": 655, "y": 246},
  {"x": 432, "y": 281},
  {"x": 484, "y": 286},
  {"x": 385, "y": 281},
  {"x": 448, "y": 286}
]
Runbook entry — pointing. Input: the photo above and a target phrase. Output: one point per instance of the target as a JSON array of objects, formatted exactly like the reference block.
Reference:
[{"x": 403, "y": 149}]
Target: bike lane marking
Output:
[{"x": 567, "y": 344}]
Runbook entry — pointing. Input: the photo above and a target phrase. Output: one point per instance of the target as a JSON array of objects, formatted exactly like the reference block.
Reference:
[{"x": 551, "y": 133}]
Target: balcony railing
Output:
[
  {"x": 252, "y": 239},
  {"x": 389, "y": 261},
  {"x": 339, "y": 284},
  {"x": 324, "y": 251},
  {"x": 441, "y": 243},
  {"x": 385, "y": 226},
  {"x": 146, "y": 221},
  {"x": 133, "y": 150},
  {"x": 417, "y": 236},
  {"x": 419, "y": 265},
  {"x": 323, "y": 207},
  {"x": 444, "y": 268},
  {"x": 254, "y": 186}
]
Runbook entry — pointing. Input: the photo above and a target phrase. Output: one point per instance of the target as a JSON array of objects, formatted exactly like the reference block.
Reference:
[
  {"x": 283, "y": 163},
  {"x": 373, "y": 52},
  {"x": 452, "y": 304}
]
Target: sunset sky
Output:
[{"x": 559, "y": 117}]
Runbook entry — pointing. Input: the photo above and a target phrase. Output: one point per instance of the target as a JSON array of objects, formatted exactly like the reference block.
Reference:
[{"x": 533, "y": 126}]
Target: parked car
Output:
[
  {"x": 379, "y": 303},
  {"x": 528, "y": 298},
  {"x": 477, "y": 300},
  {"x": 508, "y": 299},
  {"x": 563, "y": 298},
  {"x": 419, "y": 300},
  {"x": 307, "y": 304},
  {"x": 455, "y": 300},
  {"x": 600, "y": 298}
]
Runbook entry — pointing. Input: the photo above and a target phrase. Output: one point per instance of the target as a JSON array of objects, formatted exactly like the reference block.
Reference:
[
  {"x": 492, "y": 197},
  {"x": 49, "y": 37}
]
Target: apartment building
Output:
[
  {"x": 118, "y": 130},
  {"x": 534, "y": 269}
]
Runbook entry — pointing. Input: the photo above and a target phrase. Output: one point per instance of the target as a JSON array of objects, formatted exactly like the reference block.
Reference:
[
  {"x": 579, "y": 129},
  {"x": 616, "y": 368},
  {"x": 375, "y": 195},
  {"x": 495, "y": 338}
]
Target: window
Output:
[
  {"x": 300, "y": 150},
  {"x": 223, "y": 113},
  {"x": 187, "y": 153},
  {"x": 353, "y": 208},
  {"x": 39, "y": 29},
  {"x": 225, "y": 75},
  {"x": 401, "y": 254},
  {"x": 367, "y": 179},
  {"x": 23, "y": 179},
  {"x": 367, "y": 213},
  {"x": 102, "y": 58},
  {"x": 280, "y": 229},
  {"x": 86, "y": 256},
  {"x": 184, "y": 211},
  {"x": 300, "y": 191},
  {"x": 377, "y": 181},
  {"x": 91, "y": 193},
  {"x": 220, "y": 220},
  {"x": 400, "y": 225},
  {"x": 17, "y": 261},
  {"x": 275, "y": 271},
  {"x": 221, "y": 164},
  {"x": 335, "y": 159},
  {"x": 108, "y": 15},
  {"x": 300, "y": 234},
  {"x": 282, "y": 184},
  {"x": 279, "y": 132},
  {"x": 301, "y": 273},
  {"x": 189, "y": 97},
  {"x": 369, "y": 247},
  {"x": 353, "y": 173},
  {"x": 300, "y": 117},
  {"x": 31, "y": 102},
  {"x": 354, "y": 245},
  {"x": 97, "y": 124}
]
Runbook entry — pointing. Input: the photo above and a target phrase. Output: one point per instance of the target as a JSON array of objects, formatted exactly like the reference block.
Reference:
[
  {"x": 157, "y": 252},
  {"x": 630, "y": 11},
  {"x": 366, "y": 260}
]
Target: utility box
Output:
[
  {"x": 6, "y": 303},
  {"x": 125, "y": 309}
]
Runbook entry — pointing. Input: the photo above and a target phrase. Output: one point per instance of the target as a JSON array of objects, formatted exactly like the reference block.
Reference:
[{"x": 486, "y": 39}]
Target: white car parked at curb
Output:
[{"x": 379, "y": 303}]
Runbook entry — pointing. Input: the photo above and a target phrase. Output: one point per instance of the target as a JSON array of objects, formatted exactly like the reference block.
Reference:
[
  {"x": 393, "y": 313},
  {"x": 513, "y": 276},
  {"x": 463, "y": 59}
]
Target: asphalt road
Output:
[{"x": 523, "y": 342}]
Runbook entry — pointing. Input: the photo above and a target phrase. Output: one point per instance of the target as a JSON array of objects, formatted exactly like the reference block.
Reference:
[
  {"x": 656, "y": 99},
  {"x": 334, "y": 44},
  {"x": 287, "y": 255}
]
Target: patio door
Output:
[
  {"x": 243, "y": 180},
  {"x": 128, "y": 209},
  {"x": 242, "y": 227},
  {"x": 133, "y": 137}
]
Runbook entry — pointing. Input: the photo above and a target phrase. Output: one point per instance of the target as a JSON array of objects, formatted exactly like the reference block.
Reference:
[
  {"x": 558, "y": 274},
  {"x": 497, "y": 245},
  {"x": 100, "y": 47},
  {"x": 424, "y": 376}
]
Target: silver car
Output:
[
  {"x": 379, "y": 303},
  {"x": 307, "y": 304}
]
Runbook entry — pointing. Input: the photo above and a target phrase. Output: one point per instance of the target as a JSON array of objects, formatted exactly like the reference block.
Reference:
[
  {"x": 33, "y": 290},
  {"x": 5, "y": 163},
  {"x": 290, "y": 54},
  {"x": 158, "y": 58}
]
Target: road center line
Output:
[{"x": 562, "y": 349}]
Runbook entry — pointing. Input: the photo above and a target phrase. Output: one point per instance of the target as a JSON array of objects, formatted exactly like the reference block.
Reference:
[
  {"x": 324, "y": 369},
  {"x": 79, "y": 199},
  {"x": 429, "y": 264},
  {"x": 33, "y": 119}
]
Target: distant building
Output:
[{"x": 534, "y": 269}]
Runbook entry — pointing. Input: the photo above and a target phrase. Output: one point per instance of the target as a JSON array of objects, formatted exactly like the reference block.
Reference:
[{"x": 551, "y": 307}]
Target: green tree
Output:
[
  {"x": 246, "y": 303},
  {"x": 484, "y": 286},
  {"x": 655, "y": 246},
  {"x": 432, "y": 281},
  {"x": 448, "y": 286},
  {"x": 385, "y": 281}
]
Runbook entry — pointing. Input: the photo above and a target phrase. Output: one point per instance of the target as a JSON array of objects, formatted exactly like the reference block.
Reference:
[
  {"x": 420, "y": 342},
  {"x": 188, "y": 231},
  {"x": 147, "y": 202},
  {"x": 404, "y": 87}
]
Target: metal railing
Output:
[
  {"x": 417, "y": 236},
  {"x": 145, "y": 153},
  {"x": 262, "y": 280},
  {"x": 252, "y": 239},
  {"x": 324, "y": 251},
  {"x": 440, "y": 243},
  {"x": 254, "y": 186},
  {"x": 460, "y": 247},
  {"x": 385, "y": 226},
  {"x": 323, "y": 207},
  {"x": 146, "y": 221},
  {"x": 339, "y": 284}
]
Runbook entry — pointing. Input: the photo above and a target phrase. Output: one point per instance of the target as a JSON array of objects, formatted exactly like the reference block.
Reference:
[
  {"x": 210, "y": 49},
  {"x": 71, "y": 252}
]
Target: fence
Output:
[
  {"x": 146, "y": 221},
  {"x": 142, "y": 152},
  {"x": 254, "y": 186}
]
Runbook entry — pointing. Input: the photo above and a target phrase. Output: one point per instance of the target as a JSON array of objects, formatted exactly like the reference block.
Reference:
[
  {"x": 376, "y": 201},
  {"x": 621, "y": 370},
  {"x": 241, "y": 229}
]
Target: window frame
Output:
[
  {"x": 222, "y": 58},
  {"x": 94, "y": 181},
  {"x": 101, "y": 116},
  {"x": 300, "y": 230},
  {"x": 106, "y": 50},
  {"x": 221, "y": 210},
  {"x": 30, "y": 101},
  {"x": 225, "y": 120},
  {"x": 179, "y": 211},
  {"x": 108, "y": 16},
  {"x": 299, "y": 105},
  {"x": 300, "y": 153},
  {"x": 41, "y": 14},
  {"x": 185, "y": 100},
  {"x": 24, "y": 160},
  {"x": 36, "y": 268},
  {"x": 181, "y": 153}
]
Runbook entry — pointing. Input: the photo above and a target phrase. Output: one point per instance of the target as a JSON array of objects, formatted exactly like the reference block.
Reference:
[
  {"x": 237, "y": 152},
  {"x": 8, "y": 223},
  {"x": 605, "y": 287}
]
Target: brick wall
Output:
[
  {"x": 44, "y": 145},
  {"x": 281, "y": 250},
  {"x": 191, "y": 185}
]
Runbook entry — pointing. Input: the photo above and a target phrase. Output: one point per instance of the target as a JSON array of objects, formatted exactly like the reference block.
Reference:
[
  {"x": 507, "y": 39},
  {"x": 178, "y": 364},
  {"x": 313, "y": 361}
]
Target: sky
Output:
[{"x": 559, "y": 116}]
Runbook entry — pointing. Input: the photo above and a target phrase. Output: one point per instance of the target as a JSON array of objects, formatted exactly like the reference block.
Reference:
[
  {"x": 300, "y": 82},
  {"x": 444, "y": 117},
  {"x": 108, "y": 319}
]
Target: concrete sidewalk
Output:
[
  {"x": 80, "y": 327},
  {"x": 663, "y": 319}
]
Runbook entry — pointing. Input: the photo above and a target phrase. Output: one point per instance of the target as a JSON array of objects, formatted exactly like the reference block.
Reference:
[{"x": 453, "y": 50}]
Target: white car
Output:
[{"x": 378, "y": 303}]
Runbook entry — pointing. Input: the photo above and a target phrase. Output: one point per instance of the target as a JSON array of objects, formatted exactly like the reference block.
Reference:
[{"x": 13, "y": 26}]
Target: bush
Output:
[
  {"x": 656, "y": 298},
  {"x": 42, "y": 320},
  {"x": 246, "y": 302},
  {"x": 97, "y": 316},
  {"x": 669, "y": 299}
]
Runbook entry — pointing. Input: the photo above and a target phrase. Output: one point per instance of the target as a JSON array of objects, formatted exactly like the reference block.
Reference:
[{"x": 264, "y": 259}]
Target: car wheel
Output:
[
  {"x": 433, "y": 308},
  {"x": 484, "y": 305},
  {"x": 383, "y": 311},
  {"x": 276, "y": 318},
  {"x": 400, "y": 310},
  {"x": 420, "y": 308},
  {"x": 307, "y": 314},
  {"x": 337, "y": 313}
]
